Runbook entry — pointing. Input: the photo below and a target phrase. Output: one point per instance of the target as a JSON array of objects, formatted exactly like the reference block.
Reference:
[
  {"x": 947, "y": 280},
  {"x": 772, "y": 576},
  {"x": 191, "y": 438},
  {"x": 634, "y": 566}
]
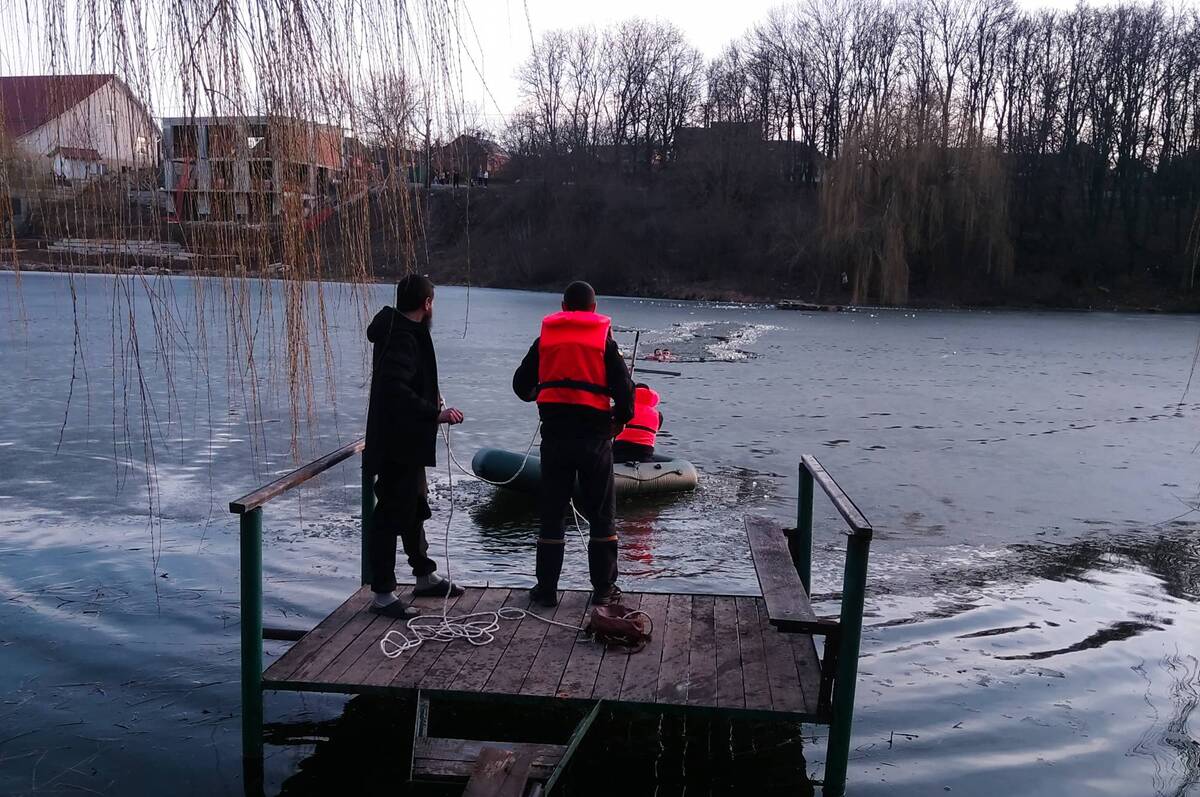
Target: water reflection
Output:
[
  {"x": 1057, "y": 650},
  {"x": 635, "y": 753},
  {"x": 980, "y": 444}
]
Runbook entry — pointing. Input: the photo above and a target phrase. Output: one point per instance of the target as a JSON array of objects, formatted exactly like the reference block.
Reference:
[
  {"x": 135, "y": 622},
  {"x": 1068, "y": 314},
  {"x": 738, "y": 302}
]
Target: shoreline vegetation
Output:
[
  {"x": 940, "y": 153},
  {"x": 450, "y": 277}
]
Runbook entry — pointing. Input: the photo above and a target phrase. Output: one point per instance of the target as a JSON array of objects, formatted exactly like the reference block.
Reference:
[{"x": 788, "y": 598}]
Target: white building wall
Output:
[
  {"x": 109, "y": 121},
  {"x": 73, "y": 169}
]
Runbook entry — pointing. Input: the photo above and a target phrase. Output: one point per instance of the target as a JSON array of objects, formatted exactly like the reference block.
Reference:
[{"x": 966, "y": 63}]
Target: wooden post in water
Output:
[
  {"x": 804, "y": 529},
  {"x": 251, "y": 620},
  {"x": 854, "y": 588},
  {"x": 368, "y": 513}
]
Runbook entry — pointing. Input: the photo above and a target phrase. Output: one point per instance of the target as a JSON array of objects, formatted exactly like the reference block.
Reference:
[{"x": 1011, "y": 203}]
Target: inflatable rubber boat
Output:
[{"x": 662, "y": 474}]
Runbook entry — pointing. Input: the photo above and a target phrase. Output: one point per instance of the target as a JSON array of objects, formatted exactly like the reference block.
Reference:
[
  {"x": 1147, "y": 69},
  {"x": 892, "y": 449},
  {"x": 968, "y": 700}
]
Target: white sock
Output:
[
  {"x": 384, "y": 599},
  {"x": 429, "y": 580}
]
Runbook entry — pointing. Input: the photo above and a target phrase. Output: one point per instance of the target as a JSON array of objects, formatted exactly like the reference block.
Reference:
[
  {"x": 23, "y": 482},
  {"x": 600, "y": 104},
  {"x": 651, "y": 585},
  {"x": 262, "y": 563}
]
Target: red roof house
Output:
[{"x": 40, "y": 114}]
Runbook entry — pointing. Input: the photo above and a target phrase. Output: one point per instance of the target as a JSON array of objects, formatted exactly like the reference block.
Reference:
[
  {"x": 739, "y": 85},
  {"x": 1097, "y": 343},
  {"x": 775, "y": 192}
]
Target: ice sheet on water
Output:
[{"x": 705, "y": 341}]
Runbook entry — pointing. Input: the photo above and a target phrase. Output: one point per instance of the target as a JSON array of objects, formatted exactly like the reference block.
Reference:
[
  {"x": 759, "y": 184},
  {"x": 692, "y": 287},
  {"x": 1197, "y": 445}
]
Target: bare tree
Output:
[
  {"x": 543, "y": 79},
  {"x": 674, "y": 89}
]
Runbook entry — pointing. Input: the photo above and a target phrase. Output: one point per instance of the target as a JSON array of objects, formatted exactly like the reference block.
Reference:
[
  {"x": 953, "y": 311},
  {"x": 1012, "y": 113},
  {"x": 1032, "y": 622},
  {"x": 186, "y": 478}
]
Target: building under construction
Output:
[{"x": 250, "y": 169}]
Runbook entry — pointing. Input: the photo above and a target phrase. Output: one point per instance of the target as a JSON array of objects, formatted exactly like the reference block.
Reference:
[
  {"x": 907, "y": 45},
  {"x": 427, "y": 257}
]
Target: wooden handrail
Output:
[
  {"x": 850, "y": 513},
  {"x": 300, "y": 475}
]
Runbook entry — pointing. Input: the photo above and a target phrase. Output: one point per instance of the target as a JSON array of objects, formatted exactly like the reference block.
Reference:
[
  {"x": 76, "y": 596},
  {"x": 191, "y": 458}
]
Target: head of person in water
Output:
[
  {"x": 414, "y": 298},
  {"x": 579, "y": 297},
  {"x": 658, "y": 352}
]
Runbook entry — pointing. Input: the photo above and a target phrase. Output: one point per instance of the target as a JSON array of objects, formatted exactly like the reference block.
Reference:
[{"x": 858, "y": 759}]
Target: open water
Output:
[{"x": 1033, "y": 620}]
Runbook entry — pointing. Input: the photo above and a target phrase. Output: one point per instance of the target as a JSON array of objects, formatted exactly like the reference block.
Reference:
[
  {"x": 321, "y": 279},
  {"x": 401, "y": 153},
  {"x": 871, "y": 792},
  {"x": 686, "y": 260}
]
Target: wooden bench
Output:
[{"x": 788, "y": 606}]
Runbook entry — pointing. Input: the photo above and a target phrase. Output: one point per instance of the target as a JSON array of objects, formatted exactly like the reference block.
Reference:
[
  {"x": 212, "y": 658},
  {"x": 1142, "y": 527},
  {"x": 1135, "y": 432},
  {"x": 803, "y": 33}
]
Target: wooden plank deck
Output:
[{"x": 715, "y": 652}]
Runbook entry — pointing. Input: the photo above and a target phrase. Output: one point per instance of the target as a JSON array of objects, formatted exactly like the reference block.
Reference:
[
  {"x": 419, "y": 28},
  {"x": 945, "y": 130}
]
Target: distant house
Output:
[
  {"x": 741, "y": 146},
  {"x": 250, "y": 168},
  {"x": 470, "y": 155},
  {"x": 629, "y": 158},
  {"x": 703, "y": 143},
  {"x": 76, "y": 163},
  {"x": 399, "y": 163},
  {"x": 467, "y": 154},
  {"x": 78, "y": 125}
]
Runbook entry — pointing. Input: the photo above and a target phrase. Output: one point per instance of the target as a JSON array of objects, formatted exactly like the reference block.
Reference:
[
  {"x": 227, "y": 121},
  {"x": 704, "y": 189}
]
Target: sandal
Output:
[
  {"x": 442, "y": 589},
  {"x": 397, "y": 610}
]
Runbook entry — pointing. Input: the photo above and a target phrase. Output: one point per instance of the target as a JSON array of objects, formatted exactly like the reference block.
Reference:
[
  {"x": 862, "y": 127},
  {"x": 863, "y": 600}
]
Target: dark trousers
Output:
[
  {"x": 632, "y": 452},
  {"x": 401, "y": 509},
  {"x": 588, "y": 463}
]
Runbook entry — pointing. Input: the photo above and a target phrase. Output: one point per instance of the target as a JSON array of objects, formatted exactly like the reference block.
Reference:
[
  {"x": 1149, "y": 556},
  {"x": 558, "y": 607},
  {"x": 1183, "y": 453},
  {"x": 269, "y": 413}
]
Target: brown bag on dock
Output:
[{"x": 619, "y": 626}]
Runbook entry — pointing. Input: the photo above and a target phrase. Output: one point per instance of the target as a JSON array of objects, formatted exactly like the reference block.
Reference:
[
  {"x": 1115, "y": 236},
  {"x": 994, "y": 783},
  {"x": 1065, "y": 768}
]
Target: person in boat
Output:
[
  {"x": 403, "y": 414},
  {"x": 636, "y": 441},
  {"x": 577, "y": 376}
]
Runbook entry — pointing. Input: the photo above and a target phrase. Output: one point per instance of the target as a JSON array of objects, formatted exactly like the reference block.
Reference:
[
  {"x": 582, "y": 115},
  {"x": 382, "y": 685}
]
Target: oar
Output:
[{"x": 637, "y": 336}]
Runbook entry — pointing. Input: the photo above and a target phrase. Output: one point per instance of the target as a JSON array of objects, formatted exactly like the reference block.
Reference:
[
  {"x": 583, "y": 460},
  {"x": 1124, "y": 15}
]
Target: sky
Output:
[
  {"x": 504, "y": 31},
  {"x": 504, "y": 28}
]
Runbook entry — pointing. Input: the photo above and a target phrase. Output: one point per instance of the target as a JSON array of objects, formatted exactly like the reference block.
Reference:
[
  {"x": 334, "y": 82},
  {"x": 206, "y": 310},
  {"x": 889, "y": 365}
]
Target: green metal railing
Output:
[
  {"x": 844, "y": 644},
  {"x": 249, "y": 508}
]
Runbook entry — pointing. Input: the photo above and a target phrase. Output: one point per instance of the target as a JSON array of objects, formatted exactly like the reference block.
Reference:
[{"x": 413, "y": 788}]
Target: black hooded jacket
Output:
[{"x": 405, "y": 401}]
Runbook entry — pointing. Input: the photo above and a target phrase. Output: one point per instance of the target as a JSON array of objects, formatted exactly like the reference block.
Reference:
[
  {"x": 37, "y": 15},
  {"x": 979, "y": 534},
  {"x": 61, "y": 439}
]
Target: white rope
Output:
[
  {"x": 580, "y": 521},
  {"x": 478, "y": 628},
  {"x": 510, "y": 479}
]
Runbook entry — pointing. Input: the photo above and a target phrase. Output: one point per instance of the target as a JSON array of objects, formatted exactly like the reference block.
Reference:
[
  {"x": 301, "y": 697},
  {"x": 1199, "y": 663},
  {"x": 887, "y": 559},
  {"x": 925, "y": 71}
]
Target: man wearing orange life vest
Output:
[
  {"x": 575, "y": 372},
  {"x": 636, "y": 441}
]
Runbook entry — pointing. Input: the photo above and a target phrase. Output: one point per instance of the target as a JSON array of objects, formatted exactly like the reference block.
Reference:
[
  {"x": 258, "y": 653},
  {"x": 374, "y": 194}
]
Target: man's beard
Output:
[{"x": 427, "y": 321}]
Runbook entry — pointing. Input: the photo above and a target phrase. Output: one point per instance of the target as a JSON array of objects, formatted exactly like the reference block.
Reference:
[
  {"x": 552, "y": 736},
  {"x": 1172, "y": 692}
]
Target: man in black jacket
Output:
[
  {"x": 402, "y": 419},
  {"x": 580, "y": 416}
]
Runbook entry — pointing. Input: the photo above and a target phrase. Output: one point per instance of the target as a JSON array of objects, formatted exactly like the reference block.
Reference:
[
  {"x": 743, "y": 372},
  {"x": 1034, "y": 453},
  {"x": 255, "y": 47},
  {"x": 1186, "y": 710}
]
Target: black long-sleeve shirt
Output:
[{"x": 575, "y": 421}]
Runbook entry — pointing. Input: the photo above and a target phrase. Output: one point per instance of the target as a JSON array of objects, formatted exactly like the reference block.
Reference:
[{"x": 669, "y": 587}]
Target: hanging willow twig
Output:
[{"x": 343, "y": 95}]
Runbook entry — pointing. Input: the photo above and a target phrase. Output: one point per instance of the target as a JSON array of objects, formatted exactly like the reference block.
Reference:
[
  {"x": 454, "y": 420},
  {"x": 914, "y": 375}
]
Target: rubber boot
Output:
[
  {"x": 548, "y": 567},
  {"x": 602, "y": 566}
]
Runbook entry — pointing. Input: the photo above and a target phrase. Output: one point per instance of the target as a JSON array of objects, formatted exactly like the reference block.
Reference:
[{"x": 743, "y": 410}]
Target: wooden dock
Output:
[
  {"x": 734, "y": 656},
  {"x": 706, "y": 652}
]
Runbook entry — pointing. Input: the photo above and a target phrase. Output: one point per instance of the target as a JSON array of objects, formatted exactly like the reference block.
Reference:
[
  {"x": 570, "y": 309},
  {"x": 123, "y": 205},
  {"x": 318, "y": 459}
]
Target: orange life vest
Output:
[
  {"x": 571, "y": 366},
  {"x": 643, "y": 429}
]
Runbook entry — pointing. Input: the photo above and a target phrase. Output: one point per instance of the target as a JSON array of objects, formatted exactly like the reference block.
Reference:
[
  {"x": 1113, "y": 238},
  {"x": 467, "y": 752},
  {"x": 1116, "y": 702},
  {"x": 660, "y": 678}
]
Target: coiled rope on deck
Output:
[{"x": 478, "y": 628}]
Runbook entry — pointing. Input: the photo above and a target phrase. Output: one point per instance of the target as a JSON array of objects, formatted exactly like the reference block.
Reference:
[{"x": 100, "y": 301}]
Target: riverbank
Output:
[{"x": 447, "y": 270}]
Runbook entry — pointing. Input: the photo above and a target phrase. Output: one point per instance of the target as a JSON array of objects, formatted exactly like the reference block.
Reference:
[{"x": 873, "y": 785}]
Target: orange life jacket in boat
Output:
[
  {"x": 571, "y": 367},
  {"x": 643, "y": 429}
]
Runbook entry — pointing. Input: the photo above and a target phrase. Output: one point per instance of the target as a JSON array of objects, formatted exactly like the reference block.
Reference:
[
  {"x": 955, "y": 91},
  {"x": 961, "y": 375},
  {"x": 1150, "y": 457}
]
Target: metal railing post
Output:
[
  {"x": 368, "y": 513},
  {"x": 854, "y": 587},
  {"x": 804, "y": 529},
  {"x": 252, "y": 645}
]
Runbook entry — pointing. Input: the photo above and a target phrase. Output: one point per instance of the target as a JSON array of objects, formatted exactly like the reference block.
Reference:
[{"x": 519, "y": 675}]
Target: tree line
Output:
[{"x": 960, "y": 139}]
